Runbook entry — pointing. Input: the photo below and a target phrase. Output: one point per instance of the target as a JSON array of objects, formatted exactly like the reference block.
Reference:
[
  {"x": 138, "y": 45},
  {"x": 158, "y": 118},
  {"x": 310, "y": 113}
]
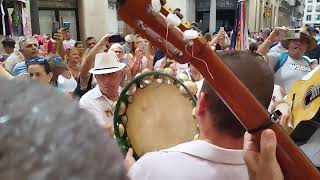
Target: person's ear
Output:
[
  {"x": 50, "y": 76},
  {"x": 201, "y": 105}
]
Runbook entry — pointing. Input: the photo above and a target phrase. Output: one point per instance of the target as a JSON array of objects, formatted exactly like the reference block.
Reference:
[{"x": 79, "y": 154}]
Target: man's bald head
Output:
[{"x": 255, "y": 74}]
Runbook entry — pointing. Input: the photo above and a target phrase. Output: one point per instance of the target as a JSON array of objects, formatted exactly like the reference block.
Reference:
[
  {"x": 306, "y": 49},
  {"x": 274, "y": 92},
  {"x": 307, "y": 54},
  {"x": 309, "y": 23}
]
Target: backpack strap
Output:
[
  {"x": 307, "y": 59},
  {"x": 282, "y": 59}
]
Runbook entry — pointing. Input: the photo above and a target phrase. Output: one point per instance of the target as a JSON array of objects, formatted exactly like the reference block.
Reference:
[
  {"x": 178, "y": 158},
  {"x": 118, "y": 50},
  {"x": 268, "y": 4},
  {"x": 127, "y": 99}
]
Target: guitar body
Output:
[{"x": 304, "y": 108}]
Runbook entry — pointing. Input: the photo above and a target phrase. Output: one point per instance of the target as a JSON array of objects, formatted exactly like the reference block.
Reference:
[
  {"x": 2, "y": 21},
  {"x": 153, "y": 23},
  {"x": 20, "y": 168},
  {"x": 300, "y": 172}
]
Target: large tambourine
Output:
[{"x": 154, "y": 112}]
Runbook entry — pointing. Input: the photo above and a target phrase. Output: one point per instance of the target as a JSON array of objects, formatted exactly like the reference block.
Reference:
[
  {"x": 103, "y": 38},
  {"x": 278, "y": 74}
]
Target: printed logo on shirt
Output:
[{"x": 299, "y": 67}]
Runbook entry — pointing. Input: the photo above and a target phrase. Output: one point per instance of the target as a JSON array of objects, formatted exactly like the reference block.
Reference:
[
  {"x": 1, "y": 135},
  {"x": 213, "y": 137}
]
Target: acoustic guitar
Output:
[
  {"x": 153, "y": 25},
  {"x": 304, "y": 98}
]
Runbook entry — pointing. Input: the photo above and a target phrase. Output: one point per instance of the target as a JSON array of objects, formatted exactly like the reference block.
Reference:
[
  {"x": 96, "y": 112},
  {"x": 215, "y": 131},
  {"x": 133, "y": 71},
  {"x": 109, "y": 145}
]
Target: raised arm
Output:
[
  {"x": 266, "y": 45},
  {"x": 58, "y": 45},
  {"x": 88, "y": 62}
]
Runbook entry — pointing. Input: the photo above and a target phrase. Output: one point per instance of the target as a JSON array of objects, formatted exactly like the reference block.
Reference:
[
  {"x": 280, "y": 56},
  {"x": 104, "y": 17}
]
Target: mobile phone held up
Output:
[
  {"x": 290, "y": 34},
  {"x": 116, "y": 38},
  {"x": 55, "y": 27},
  {"x": 66, "y": 25}
]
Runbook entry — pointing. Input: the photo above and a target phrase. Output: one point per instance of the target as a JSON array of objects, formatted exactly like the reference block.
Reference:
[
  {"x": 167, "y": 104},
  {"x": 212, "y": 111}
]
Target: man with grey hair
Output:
[
  {"x": 29, "y": 49},
  {"x": 47, "y": 137}
]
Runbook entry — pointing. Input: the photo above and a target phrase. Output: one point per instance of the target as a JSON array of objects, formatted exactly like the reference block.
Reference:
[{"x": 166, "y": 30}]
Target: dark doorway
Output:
[
  {"x": 225, "y": 18},
  {"x": 203, "y": 20}
]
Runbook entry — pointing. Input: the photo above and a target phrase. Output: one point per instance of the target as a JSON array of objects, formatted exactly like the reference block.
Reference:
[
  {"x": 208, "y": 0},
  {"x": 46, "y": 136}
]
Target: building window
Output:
[
  {"x": 318, "y": 17},
  {"x": 309, "y": 8},
  {"x": 318, "y": 0},
  {"x": 308, "y": 18},
  {"x": 318, "y": 8},
  {"x": 310, "y": 1}
]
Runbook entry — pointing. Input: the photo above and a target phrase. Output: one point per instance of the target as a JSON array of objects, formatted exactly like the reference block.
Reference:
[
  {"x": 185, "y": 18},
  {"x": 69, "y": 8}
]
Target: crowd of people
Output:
[{"x": 53, "y": 139}]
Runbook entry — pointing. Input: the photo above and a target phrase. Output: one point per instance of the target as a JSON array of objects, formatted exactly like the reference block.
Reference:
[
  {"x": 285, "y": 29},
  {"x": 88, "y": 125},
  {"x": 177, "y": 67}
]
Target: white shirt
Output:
[
  {"x": 182, "y": 67},
  {"x": 309, "y": 75},
  {"x": 67, "y": 44},
  {"x": 67, "y": 85},
  {"x": 198, "y": 160},
  {"x": 98, "y": 105},
  {"x": 12, "y": 60},
  {"x": 291, "y": 71},
  {"x": 278, "y": 48},
  {"x": 199, "y": 86},
  {"x": 160, "y": 63}
]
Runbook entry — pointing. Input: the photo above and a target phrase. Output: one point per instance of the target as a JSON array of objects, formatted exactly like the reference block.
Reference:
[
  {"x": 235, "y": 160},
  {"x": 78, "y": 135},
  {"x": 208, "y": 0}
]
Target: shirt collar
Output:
[
  {"x": 210, "y": 152},
  {"x": 98, "y": 94}
]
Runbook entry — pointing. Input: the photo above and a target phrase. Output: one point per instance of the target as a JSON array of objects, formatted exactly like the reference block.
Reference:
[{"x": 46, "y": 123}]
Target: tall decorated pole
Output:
[{"x": 239, "y": 39}]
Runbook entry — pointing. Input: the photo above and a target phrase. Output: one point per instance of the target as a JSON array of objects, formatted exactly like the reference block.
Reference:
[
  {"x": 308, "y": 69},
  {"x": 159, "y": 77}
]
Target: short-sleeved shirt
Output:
[
  {"x": 291, "y": 71},
  {"x": 98, "y": 105},
  {"x": 12, "y": 60},
  {"x": 20, "y": 69}
]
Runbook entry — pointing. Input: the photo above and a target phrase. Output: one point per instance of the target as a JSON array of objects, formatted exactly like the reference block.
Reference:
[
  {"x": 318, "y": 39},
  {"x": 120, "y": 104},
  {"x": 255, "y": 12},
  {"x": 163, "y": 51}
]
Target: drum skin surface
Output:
[
  {"x": 160, "y": 117},
  {"x": 155, "y": 111}
]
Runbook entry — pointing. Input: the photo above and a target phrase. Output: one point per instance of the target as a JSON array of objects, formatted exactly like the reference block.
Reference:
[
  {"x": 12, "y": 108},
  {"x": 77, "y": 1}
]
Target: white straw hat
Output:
[{"x": 106, "y": 63}]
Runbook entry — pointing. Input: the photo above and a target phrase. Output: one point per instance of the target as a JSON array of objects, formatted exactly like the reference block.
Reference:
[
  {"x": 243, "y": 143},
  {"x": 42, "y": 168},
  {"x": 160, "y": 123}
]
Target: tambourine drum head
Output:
[{"x": 159, "y": 117}]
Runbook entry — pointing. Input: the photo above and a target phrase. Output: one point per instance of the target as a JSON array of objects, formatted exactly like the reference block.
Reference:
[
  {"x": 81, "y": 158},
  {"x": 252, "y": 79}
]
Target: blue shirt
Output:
[{"x": 20, "y": 69}]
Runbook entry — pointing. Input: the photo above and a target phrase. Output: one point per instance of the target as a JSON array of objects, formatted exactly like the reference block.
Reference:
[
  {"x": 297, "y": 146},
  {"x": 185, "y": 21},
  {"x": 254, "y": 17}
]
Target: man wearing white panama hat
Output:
[{"x": 98, "y": 101}]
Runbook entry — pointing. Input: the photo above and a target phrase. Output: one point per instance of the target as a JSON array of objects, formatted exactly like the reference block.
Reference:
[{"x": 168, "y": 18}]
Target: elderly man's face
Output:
[
  {"x": 109, "y": 82},
  {"x": 297, "y": 48},
  {"x": 29, "y": 49},
  {"x": 119, "y": 52}
]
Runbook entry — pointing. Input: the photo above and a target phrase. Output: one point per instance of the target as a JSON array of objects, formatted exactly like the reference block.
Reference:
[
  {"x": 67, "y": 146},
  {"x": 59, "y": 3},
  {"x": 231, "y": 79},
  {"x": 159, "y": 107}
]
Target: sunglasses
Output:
[{"x": 37, "y": 60}]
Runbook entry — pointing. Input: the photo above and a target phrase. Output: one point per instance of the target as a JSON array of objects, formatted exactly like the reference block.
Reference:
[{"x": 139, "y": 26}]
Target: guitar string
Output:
[
  {"x": 314, "y": 92},
  {"x": 167, "y": 35},
  {"x": 186, "y": 49}
]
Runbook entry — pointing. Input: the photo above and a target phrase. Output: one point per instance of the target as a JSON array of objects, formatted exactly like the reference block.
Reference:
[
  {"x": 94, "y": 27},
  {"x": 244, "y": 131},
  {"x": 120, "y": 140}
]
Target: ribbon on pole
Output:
[{"x": 239, "y": 39}]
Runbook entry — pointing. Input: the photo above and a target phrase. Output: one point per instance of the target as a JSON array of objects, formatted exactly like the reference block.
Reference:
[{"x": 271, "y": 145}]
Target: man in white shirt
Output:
[
  {"x": 68, "y": 42},
  {"x": 218, "y": 154},
  {"x": 98, "y": 101}
]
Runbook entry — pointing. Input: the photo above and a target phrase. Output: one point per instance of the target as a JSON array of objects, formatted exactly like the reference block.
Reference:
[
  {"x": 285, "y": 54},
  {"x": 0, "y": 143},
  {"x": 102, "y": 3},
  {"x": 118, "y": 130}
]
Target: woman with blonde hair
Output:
[{"x": 73, "y": 61}]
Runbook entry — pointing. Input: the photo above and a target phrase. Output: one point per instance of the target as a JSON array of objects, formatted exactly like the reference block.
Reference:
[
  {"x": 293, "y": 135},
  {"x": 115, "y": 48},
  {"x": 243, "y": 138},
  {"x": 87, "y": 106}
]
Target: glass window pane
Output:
[
  {"x": 70, "y": 16},
  {"x": 308, "y": 18},
  {"x": 45, "y": 20}
]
